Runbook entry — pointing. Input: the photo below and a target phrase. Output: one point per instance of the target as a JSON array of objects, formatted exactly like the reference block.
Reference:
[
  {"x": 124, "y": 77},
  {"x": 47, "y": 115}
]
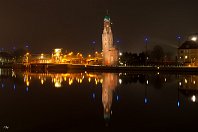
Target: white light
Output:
[
  {"x": 194, "y": 38},
  {"x": 120, "y": 81},
  {"x": 180, "y": 83},
  {"x": 186, "y": 57},
  {"x": 120, "y": 54},
  {"x": 193, "y": 98},
  {"x": 147, "y": 82},
  {"x": 57, "y": 50}
]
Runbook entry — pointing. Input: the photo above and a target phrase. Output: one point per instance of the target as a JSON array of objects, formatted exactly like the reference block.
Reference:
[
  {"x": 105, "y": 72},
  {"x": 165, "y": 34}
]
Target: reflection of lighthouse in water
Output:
[{"x": 109, "y": 84}]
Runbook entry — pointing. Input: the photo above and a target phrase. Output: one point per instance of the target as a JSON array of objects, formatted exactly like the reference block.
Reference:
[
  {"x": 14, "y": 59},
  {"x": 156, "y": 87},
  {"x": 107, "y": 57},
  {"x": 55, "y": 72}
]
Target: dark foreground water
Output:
[{"x": 33, "y": 102}]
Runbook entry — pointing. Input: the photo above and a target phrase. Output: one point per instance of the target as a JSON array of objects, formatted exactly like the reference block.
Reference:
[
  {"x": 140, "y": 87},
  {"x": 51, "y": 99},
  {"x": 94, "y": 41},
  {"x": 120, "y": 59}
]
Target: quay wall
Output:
[{"x": 68, "y": 67}]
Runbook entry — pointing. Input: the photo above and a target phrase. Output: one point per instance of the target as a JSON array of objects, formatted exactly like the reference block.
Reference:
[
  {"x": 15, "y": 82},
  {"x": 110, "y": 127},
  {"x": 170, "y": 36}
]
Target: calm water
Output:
[{"x": 97, "y": 101}]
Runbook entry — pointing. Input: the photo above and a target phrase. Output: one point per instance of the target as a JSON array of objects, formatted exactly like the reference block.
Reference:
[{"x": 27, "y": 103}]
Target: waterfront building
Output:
[
  {"x": 110, "y": 52},
  {"x": 188, "y": 51},
  {"x": 57, "y": 55}
]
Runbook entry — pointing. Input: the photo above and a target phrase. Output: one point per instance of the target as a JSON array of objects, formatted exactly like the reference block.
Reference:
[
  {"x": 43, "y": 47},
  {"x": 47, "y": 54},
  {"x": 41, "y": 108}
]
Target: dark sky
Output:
[{"x": 75, "y": 24}]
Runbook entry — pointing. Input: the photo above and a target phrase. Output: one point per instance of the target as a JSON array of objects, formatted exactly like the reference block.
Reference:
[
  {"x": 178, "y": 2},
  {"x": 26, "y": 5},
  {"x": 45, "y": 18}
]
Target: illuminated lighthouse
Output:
[{"x": 110, "y": 52}]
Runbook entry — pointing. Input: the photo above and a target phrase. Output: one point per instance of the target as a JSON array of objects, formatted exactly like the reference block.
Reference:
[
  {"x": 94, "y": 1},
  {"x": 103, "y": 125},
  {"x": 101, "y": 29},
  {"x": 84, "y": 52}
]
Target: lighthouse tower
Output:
[{"x": 110, "y": 52}]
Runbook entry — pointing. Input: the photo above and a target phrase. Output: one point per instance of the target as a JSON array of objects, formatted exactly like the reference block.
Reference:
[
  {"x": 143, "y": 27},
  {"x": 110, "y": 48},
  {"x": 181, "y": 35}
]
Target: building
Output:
[
  {"x": 57, "y": 55},
  {"x": 110, "y": 52},
  {"x": 188, "y": 51}
]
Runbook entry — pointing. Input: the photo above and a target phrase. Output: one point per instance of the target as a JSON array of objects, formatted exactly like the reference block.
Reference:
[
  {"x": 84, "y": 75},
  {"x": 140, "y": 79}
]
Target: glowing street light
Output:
[
  {"x": 42, "y": 56},
  {"x": 194, "y": 39},
  {"x": 193, "y": 98},
  {"x": 178, "y": 37}
]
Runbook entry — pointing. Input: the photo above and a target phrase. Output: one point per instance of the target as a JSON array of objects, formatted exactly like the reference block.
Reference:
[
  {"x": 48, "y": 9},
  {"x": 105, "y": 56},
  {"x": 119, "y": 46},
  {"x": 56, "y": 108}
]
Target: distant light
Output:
[
  {"x": 178, "y": 104},
  {"x": 120, "y": 81},
  {"x": 94, "y": 42},
  {"x": 165, "y": 79},
  {"x": 57, "y": 50},
  {"x": 57, "y": 84},
  {"x": 186, "y": 57},
  {"x": 120, "y": 54},
  {"x": 186, "y": 81},
  {"x": 27, "y": 83},
  {"x": 117, "y": 98},
  {"x": 14, "y": 87},
  {"x": 27, "y": 89},
  {"x": 42, "y": 56},
  {"x": 146, "y": 40},
  {"x": 89, "y": 79},
  {"x": 6, "y": 127},
  {"x": 2, "y": 85},
  {"x": 147, "y": 82},
  {"x": 94, "y": 95},
  {"x": 118, "y": 41},
  {"x": 145, "y": 100},
  {"x": 42, "y": 81},
  {"x": 193, "y": 98},
  {"x": 180, "y": 84},
  {"x": 178, "y": 37},
  {"x": 194, "y": 38}
]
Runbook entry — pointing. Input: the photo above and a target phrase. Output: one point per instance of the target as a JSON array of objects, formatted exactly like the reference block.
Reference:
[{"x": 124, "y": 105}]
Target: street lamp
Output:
[
  {"x": 178, "y": 37},
  {"x": 194, "y": 38},
  {"x": 93, "y": 44},
  {"x": 27, "y": 48},
  {"x": 146, "y": 43}
]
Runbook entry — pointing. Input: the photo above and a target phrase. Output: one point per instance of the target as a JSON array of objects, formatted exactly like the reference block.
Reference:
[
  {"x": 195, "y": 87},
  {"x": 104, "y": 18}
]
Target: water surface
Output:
[{"x": 88, "y": 101}]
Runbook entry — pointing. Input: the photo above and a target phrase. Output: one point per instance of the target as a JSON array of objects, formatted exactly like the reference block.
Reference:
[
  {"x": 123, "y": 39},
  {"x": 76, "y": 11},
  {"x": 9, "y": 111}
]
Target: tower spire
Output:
[{"x": 107, "y": 12}]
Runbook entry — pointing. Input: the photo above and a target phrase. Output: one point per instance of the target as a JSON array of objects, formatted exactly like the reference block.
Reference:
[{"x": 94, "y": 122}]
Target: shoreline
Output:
[{"x": 98, "y": 68}]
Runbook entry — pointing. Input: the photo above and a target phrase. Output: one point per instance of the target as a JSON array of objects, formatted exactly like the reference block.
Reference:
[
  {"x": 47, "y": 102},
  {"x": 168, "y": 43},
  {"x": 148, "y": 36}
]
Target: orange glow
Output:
[
  {"x": 60, "y": 58},
  {"x": 58, "y": 79}
]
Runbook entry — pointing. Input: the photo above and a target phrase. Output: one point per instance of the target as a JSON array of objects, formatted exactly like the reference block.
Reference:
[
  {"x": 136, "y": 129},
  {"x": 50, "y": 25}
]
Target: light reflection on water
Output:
[{"x": 117, "y": 89}]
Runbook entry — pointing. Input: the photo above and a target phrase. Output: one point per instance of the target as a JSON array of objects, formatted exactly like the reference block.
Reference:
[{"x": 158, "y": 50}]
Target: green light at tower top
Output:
[{"x": 107, "y": 18}]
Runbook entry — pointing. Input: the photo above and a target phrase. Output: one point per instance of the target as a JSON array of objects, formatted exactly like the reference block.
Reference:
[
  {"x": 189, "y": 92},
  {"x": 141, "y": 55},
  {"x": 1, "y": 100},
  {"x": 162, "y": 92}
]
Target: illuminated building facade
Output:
[
  {"x": 188, "y": 51},
  {"x": 57, "y": 55},
  {"x": 110, "y": 52}
]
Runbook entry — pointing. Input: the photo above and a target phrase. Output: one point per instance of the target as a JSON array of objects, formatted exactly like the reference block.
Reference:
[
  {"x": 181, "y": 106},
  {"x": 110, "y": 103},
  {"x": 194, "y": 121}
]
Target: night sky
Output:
[{"x": 76, "y": 24}]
